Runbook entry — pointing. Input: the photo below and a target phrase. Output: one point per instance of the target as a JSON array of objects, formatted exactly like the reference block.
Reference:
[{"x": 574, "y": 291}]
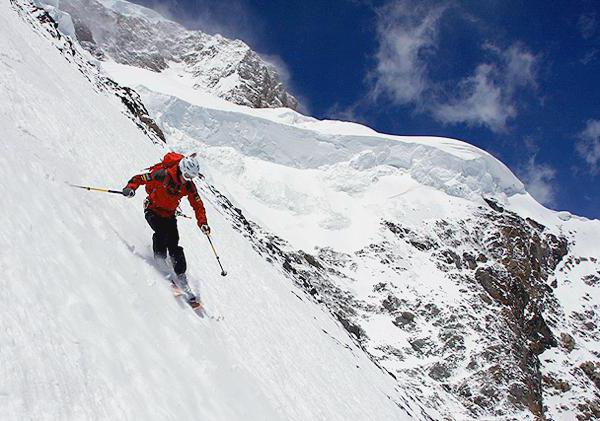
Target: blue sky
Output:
[{"x": 520, "y": 79}]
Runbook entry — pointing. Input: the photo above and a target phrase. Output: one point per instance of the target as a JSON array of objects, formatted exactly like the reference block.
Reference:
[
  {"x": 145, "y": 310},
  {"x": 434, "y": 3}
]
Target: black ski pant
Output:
[{"x": 166, "y": 238}]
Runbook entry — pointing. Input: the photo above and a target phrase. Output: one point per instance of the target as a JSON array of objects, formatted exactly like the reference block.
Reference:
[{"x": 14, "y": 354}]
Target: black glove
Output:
[
  {"x": 205, "y": 229},
  {"x": 127, "y": 192}
]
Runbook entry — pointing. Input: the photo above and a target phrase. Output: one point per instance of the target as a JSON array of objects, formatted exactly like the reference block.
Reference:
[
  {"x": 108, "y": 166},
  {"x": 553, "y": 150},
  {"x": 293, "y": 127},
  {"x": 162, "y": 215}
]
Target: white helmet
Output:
[{"x": 189, "y": 168}]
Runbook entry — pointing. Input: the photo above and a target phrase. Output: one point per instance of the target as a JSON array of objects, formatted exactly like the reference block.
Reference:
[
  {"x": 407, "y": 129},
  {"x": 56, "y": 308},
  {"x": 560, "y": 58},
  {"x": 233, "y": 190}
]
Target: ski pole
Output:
[
  {"x": 223, "y": 272},
  {"x": 97, "y": 189},
  {"x": 183, "y": 215}
]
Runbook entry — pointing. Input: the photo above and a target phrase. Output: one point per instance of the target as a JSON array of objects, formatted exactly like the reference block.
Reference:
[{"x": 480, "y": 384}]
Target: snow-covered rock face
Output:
[
  {"x": 133, "y": 35},
  {"x": 461, "y": 298},
  {"x": 471, "y": 314}
]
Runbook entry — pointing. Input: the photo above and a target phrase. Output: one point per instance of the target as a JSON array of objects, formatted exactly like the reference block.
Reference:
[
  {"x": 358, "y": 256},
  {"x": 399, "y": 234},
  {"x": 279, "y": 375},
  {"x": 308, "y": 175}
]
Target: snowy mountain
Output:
[
  {"x": 126, "y": 33},
  {"x": 371, "y": 276}
]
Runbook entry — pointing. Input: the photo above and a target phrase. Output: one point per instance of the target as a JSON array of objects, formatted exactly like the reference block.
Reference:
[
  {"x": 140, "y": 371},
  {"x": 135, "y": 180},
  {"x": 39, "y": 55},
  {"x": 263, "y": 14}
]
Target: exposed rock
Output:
[
  {"x": 470, "y": 260},
  {"x": 589, "y": 410},
  {"x": 591, "y": 280},
  {"x": 450, "y": 257},
  {"x": 224, "y": 67},
  {"x": 423, "y": 346},
  {"x": 592, "y": 370},
  {"x": 391, "y": 303},
  {"x": 404, "y": 318},
  {"x": 558, "y": 384},
  {"x": 408, "y": 316},
  {"x": 567, "y": 341},
  {"x": 439, "y": 371},
  {"x": 494, "y": 283},
  {"x": 133, "y": 103},
  {"x": 354, "y": 329},
  {"x": 494, "y": 205}
]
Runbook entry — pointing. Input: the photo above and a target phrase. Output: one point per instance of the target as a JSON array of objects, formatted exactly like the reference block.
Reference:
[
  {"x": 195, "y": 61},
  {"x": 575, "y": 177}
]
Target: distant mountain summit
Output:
[{"x": 134, "y": 35}]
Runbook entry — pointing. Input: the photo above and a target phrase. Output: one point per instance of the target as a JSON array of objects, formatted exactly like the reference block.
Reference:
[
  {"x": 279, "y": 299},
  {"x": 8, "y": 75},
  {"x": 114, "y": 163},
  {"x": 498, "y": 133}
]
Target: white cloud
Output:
[
  {"x": 481, "y": 103},
  {"x": 520, "y": 68},
  {"x": 352, "y": 113},
  {"x": 588, "y": 146},
  {"x": 539, "y": 180},
  {"x": 589, "y": 56},
  {"x": 587, "y": 25},
  {"x": 488, "y": 97},
  {"x": 408, "y": 39},
  {"x": 407, "y": 35}
]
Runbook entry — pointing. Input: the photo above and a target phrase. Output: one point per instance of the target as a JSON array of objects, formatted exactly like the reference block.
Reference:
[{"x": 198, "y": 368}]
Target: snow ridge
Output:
[
  {"x": 469, "y": 173},
  {"x": 120, "y": 31}
]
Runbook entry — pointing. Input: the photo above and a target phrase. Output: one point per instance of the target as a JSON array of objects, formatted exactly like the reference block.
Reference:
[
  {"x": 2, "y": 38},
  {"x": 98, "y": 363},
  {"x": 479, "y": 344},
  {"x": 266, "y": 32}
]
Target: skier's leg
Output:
[
  {"x": 175, "y": 250},
  {"x": 159, "y": 238},
  {"x": 177, "y": 257}
]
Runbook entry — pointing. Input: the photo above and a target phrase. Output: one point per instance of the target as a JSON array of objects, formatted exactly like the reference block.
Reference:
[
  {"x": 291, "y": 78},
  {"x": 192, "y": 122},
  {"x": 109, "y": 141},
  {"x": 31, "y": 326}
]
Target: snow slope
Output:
[
  {"x": 323, "y": 185},
  {"x": 90, "y": 331}
]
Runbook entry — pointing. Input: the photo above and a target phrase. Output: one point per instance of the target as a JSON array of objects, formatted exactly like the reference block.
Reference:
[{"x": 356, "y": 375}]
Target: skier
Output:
[{"x": 166, "y": 183}]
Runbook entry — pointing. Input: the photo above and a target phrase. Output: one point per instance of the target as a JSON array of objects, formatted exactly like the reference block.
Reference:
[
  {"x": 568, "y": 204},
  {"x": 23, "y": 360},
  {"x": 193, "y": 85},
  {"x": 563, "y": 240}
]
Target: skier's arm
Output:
[
  {"x": 197, "y": 205},
  {"x": 141, "y": 179}
]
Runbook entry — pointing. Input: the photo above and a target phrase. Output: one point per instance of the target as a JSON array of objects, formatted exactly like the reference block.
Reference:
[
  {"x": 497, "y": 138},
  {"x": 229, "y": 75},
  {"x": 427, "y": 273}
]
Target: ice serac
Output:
[{"x": 134, "y": 35}]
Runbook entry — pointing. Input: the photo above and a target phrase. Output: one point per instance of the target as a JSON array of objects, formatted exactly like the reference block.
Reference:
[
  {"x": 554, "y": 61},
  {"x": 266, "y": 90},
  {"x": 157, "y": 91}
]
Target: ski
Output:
[
  {"x": 195, "y": 304},
  {"x": 197, "y": 307},
  {"x": 192, "y": 301},
  {"x": 177, "y": 292}
]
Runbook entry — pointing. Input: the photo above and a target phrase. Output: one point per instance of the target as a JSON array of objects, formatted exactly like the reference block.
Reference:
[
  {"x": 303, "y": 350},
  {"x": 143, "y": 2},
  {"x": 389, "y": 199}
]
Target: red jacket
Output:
[{"x": 165, "y": 190}]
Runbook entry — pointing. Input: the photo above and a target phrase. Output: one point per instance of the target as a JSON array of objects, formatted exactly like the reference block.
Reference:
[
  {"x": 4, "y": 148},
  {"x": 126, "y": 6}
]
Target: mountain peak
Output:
[{"x": 126, "y": 33}]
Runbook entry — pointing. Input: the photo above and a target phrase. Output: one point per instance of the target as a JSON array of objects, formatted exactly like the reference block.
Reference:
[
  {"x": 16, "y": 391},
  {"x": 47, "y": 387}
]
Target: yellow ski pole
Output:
[
  {"x": 97, "y": 189},
  {"x": 223, "y": 272}
]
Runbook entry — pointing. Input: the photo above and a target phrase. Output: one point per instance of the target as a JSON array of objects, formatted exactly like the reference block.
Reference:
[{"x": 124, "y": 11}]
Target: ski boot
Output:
[{"x": 183, "y": 285}]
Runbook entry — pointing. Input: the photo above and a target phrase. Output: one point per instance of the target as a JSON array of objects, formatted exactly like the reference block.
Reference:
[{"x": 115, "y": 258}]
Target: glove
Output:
[
  {"x": 127, "y": 192},
  {"x": 205, "y": 229}
]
